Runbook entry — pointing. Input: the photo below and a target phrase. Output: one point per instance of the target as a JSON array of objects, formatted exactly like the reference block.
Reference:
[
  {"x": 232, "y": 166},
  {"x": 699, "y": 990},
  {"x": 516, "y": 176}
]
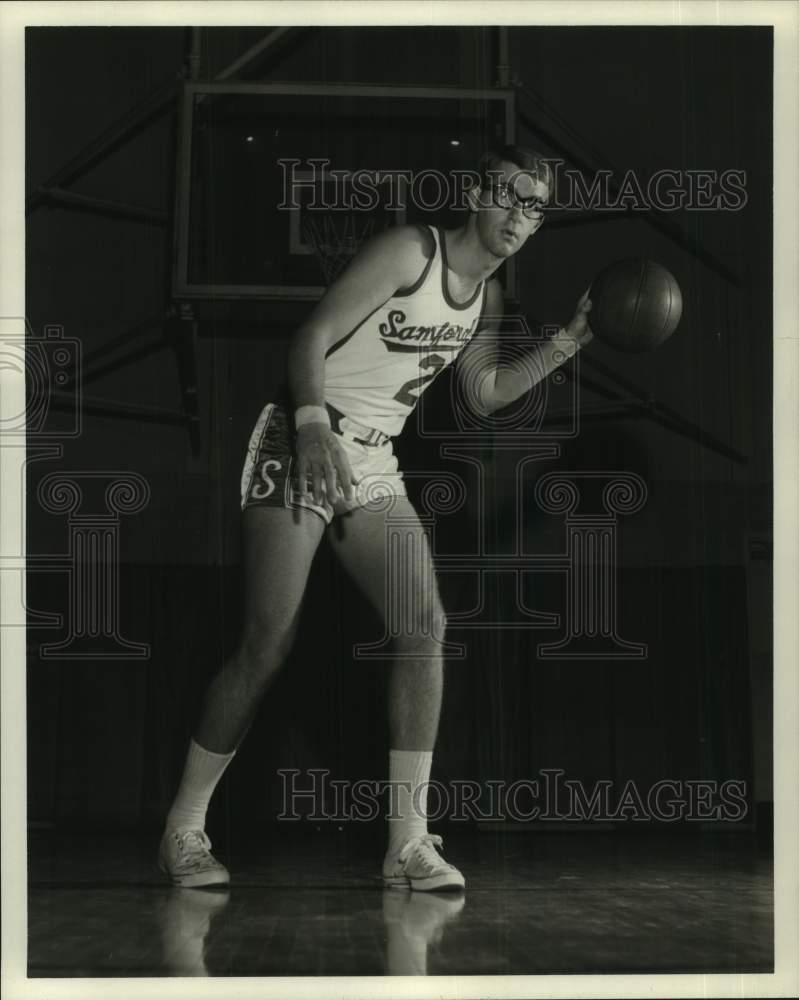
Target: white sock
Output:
[
  {"x": 409, "y": 805},
  {"x": 201, "y": 775}
]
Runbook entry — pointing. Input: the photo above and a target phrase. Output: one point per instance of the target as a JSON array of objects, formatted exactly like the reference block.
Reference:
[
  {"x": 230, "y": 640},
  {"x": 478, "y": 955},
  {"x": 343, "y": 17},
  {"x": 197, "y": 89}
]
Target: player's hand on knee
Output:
[{"x": 322, "y": 464}]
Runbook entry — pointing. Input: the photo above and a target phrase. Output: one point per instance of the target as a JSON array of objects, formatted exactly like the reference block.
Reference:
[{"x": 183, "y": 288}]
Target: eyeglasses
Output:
[{"x": 503, "y": 197}]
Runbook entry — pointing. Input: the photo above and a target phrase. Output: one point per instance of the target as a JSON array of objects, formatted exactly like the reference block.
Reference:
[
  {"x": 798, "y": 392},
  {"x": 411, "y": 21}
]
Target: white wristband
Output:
[{"x": 311, "y": 415}]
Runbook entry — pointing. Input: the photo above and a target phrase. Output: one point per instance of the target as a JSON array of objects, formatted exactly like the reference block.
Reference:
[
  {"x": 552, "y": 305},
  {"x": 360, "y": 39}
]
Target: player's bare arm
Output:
[
  {"x": 501, "y": 385},
  {"x": 390, "y": 261}
]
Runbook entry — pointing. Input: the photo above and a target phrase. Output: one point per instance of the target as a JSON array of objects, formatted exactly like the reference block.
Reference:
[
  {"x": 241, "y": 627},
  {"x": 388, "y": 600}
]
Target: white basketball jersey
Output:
[{"x": 376, "y": 373}]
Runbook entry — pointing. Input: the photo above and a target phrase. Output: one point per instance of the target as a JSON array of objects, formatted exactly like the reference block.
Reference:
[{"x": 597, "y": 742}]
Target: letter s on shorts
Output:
[{"x": 266, "y": 487}]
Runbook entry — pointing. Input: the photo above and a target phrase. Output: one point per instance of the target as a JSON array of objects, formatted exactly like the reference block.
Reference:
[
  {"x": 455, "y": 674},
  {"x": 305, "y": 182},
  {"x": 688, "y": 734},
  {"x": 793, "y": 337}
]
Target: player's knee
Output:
[
  {"x": 261, "y": 653},
  {"x": 424, "y": 628}
]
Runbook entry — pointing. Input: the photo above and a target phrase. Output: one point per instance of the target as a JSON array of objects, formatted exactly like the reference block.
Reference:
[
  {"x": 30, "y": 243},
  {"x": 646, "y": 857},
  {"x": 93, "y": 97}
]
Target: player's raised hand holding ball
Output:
[{"x": 578, "y": 328}]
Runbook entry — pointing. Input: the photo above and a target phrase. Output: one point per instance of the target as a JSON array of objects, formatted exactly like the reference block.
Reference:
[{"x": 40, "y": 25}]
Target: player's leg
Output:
[
  {"x": 280, "y": 540},
  {"x": 400, "y": 582},
  {"x": 405, "y": 594},
  {"x": 279, "y": 547}
]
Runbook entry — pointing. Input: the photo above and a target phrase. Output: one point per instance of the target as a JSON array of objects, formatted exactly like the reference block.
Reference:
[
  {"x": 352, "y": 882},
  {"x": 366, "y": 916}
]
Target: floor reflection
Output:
[
  {"x": 415, "y": 921},
  {"x": 185, "y": 921}
]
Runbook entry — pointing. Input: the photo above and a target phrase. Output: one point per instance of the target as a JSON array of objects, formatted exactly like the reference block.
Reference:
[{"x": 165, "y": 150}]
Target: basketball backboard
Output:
[{"x": 256, "y": 159}]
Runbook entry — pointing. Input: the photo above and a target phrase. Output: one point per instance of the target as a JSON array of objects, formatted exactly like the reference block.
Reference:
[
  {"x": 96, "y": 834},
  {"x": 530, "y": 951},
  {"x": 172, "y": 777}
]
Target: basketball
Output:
[{"x": 636, "y": 305}]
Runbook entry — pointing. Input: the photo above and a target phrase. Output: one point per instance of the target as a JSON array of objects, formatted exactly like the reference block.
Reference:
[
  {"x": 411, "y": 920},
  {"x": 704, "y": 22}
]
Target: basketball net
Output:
[{"x": 335, "y": 237}]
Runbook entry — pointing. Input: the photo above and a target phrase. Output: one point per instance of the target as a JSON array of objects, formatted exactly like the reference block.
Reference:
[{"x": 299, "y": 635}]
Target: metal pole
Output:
[
  {"x": 195, "y": 54},
  {"x": 159, "y": 102},
  {"x": 503, "y": 60},
  {"x": 101, "y": 206},
  {"x": 669, "y": 229},
  {"x": 125, "y": 338},
  {"x": 665, "y": 414},
  {"x": 267, "y": 42},
  {"x": 111, "y": 408},
  {"x": 126, "y": 359}
]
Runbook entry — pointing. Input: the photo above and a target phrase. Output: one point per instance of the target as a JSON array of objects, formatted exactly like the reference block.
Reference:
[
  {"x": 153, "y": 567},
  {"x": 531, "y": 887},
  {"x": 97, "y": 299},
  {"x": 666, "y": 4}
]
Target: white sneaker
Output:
[
  {"x": 419, "y": 865},
  {"x": 184, "y": 856}
]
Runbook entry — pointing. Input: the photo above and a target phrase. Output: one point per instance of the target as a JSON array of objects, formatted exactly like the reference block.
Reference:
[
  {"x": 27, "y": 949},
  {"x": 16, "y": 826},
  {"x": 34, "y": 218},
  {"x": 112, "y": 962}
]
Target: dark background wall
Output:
[{"x": 107, "y": 738}]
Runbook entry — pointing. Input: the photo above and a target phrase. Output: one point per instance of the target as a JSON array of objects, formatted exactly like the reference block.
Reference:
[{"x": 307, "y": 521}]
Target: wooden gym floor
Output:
[{"x": 535, "y": 903}]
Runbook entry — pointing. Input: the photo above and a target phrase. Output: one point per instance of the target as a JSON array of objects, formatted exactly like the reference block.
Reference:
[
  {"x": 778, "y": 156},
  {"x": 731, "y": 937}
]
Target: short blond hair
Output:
[{"x": 525, "y": 159}]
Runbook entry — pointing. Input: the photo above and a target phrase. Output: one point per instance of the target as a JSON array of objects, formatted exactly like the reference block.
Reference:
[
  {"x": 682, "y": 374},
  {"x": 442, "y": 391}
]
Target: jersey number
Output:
[{"x": 409, "y": 398}]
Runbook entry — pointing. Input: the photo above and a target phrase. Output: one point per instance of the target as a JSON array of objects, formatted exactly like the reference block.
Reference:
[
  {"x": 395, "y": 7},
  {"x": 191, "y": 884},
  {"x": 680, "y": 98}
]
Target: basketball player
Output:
[{"x": 410, "y": 302}]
